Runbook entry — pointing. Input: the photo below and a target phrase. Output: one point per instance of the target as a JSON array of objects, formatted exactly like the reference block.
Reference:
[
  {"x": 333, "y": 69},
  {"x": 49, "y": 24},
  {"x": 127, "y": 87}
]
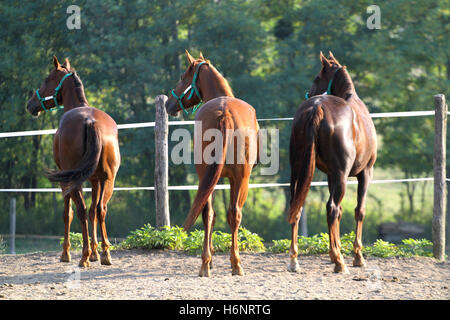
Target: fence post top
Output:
[
  {"x": 162, "y": 98},
  {"x": 439, "y": 96}
]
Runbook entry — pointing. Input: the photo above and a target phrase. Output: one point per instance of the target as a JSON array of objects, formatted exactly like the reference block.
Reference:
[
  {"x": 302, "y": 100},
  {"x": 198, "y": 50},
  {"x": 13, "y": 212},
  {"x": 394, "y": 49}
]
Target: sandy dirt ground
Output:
[{"x": 155, "y": 274}]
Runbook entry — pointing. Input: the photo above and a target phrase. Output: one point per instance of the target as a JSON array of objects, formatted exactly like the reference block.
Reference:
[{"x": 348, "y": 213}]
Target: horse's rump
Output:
[{"x": 88, "y": 163}]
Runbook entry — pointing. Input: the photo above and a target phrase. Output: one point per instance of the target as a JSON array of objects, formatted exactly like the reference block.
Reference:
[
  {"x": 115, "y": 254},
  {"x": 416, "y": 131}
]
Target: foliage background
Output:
[{"x": 127, "y": 52}]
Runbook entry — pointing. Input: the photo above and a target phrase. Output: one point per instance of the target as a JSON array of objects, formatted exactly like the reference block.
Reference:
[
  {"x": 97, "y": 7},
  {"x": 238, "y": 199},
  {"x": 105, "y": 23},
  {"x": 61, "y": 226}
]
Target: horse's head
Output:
[
  {"x": 48, "y": 95},
  {"x": 186, "y": 94},
  {"x": 322, "y": 82}
]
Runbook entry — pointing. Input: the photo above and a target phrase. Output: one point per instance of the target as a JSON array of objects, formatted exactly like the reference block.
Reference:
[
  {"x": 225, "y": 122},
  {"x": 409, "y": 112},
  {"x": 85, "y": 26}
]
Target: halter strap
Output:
[
  {"x": 41, "y": 100},
  {"x": 193, "y": 89}
]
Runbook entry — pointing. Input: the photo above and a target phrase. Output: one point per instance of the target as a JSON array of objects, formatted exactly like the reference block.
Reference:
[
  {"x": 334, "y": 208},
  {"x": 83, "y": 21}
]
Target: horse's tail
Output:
[
  {"x": 88, "y": 163},
  {"x": 302, "y": 159},
  {"x": 213, "y": 171}
]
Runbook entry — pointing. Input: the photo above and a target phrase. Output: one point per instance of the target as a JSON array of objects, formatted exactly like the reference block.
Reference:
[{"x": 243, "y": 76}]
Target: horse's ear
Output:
[
  {"x": 67, "y": 62},
  {"x": 56, "y": 63},
  {"x": 189, "y": 58},
  {"x": 201, "y": 56},
  {"x": 331, "y": 57},
  {"x": 324, "y": 60}
]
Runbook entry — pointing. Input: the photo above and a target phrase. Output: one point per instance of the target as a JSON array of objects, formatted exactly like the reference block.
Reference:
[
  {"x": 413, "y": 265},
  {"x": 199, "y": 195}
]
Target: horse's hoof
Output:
[
  {"x": 94, "y": 256},
  {"x": 204, "y": 272},
  {"x": 84, "y": 263},
  {"x": 65, "y": 257},
  {"x": 341, "y": 268},
  {"x": 106, "y": 259},
  {"x": 359, "y": 262},
  {"x": 294, "y": 267},
  {"x": 238, "y": 271}
]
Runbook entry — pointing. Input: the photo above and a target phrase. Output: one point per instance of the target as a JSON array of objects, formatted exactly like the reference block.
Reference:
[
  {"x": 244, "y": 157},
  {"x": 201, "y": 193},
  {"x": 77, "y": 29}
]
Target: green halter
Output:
[
  {"x": 329, "y": 84},
  {"x": 192, "y": 88},
  {"x": 41, "y": 100}
]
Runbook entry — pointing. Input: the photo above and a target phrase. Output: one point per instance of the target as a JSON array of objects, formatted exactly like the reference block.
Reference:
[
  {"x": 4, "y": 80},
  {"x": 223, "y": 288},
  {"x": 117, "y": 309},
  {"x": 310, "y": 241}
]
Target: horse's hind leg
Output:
[
  {"x": 68, "y": 217},
  {"x": 211, "y": 246},
  {"x": 337, "y": 186},
  {"x": 77, "y": 197},
  {"x": 360, "y": 212},
  {"x": 208, "y": 218},
  {"x": 238, "y": 195},
  {"x": 106, "y": 191},
  {"x": 93, "y": 218},
  {"x": 293, "y": 251}
]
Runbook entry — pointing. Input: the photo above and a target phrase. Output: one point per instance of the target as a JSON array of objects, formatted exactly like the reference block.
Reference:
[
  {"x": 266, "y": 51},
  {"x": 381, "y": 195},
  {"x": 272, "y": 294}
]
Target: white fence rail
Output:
[{"x": 191, "y": 122}]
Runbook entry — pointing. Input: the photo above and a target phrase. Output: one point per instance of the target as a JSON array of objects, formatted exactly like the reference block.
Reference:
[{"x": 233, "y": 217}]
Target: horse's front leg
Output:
[{"x": 360, "y": 212}]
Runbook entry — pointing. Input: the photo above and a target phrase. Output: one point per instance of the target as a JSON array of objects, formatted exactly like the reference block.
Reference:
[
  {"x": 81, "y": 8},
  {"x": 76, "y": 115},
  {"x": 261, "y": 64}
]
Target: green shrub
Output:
[
  {"x": 76, "y": 240},
  {"x": 249, "y": 241},
  {"x": 382, "y": 249},
  {"x": 280, "y": 246},
  {"x": 319, "y": 244},
  {"x": 149, "y": 237},
  {"x": 316, "y": 244},
  {"x": 419, "y": 247},
  {"x": 172, "y": 238},
  {"x": 194, "y": 242}
]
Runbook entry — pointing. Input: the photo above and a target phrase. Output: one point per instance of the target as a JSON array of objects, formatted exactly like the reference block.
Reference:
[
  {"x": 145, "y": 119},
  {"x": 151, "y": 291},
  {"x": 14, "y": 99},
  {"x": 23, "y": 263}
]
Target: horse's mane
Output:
[
  {"x": 79, "y": 87},
  {"x": 222, "y": 79},
  {"x": 343, "y": 81}
]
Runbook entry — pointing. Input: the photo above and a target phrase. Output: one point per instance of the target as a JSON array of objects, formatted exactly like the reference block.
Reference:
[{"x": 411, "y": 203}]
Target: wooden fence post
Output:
[
  {"x": 438, "y": 223},
  {"x": 12, "y": 226},
  {"x": 304, "y": 223},
  {"x": 161, "y": 163}
]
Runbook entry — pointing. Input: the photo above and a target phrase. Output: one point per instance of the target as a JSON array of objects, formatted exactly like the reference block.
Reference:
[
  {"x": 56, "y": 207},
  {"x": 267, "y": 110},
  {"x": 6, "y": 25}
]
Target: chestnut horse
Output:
[
  {"x": 233, "y": 118},
  {"x": 85, "y": 146},
  {"x": 335, "y": 132}
]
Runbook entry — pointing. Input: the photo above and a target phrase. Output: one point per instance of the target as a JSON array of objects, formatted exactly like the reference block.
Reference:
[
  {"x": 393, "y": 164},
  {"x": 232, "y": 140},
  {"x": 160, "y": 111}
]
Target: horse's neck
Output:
[
  {"x": 344, "y": 88},
  {"x": 215, "y": 85},
  {"x": 72, "y": 99}
]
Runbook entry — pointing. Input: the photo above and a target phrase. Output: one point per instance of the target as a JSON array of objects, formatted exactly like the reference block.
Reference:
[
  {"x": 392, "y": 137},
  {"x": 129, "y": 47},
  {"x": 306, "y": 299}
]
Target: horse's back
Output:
[
  {"x": 336, "y": 111},
  {"x": 78, "y": 117},
  {"x": 242, "y": 113}
]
